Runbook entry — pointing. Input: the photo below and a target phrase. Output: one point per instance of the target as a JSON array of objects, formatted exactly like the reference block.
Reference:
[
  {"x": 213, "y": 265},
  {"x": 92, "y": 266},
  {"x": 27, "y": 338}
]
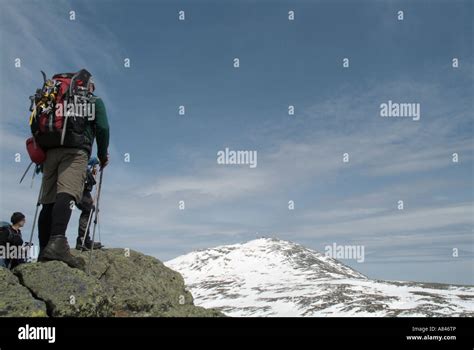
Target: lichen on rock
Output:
[
  {"x": 121, "y": 283},
  {"x": 16, "y": 300}
]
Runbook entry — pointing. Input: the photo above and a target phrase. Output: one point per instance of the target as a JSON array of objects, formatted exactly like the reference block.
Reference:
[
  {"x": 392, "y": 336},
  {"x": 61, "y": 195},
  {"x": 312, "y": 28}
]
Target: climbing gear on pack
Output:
[{"x": 59, "y": 113}]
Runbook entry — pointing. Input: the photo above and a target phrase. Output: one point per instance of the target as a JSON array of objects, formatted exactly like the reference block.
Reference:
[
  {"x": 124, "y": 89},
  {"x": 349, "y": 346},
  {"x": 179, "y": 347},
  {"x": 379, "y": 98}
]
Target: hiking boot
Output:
[
  {"x": 87, "y": 244},
  {"x": 58, "y": 249}
]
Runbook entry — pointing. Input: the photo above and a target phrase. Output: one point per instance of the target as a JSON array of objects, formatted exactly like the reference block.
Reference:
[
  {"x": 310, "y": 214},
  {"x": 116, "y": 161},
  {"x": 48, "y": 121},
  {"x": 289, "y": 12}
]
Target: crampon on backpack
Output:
[{"x": 59, "y": 113}]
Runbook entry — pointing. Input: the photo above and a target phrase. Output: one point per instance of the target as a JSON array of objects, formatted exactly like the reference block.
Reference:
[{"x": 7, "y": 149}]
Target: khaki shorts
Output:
[{"x": 64, "y": 171}]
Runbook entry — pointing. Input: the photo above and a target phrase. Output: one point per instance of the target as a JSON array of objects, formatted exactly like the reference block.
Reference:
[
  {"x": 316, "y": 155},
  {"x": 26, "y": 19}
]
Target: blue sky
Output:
[{"x": 283, "y": 63}]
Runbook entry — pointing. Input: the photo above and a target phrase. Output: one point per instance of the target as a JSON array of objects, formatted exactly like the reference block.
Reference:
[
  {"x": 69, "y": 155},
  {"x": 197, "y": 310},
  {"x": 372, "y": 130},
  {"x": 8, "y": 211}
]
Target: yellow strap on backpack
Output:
[{"x": 32, "y": 116}]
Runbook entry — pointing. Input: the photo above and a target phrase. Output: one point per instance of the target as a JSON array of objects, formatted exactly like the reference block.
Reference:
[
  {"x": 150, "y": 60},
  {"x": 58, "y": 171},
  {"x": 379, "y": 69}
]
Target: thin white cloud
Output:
[{"x": 413, "y": 220}]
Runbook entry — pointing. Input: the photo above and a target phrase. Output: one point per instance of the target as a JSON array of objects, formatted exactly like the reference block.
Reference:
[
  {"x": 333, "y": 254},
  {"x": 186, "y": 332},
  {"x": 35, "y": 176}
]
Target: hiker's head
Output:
[{"x": 18, "y": 219}]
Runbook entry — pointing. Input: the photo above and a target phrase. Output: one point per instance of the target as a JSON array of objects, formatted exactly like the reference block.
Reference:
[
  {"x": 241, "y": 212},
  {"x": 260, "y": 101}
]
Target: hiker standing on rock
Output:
[
  {"x": 67, "y": 140},
  {"x": 87, "y": 207},
  {"x": 10, "y": 237}
]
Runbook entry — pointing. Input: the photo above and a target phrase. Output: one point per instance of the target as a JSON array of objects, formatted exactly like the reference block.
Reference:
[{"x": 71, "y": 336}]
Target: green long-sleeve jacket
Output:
[{"x": 99, "y": 128}]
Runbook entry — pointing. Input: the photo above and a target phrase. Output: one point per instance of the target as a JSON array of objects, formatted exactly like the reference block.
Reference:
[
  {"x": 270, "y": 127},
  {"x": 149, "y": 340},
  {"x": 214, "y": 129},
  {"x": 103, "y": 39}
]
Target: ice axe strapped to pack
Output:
[
  {"x": 57, "y": 117},
  {"x": 52, "y": 121}
]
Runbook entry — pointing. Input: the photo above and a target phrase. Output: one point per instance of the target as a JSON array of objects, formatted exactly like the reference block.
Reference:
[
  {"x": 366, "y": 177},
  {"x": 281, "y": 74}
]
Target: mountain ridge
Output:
[{"x": 272, "y": 277}]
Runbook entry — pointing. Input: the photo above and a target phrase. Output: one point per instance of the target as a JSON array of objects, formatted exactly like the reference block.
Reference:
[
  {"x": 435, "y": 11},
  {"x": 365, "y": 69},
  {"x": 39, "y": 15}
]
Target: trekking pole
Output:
[
  {"x": 30, "y": 242},
  {"x": 33, "y": 178},
  {"x": 26, "y": 171},
  {"x": 89, "y": 220},
  {"x": 100, "y": 237},
  {"x": 99, "y": 188}
]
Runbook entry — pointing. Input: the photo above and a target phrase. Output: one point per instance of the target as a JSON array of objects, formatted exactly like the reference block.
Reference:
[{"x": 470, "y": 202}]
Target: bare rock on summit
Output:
[
  {"x": 140, "y": 285},
  {"x": 66, "y": 291},
  {"x": 121, "y": 283},
  {"x": 16, "y": 300}
]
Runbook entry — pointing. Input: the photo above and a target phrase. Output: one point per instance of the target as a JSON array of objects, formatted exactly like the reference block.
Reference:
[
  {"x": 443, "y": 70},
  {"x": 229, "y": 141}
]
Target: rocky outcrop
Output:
[
  {"x": 64, "y": 291},
  {"x": 16, "y": 300},
  {"x": 121, "y": 283},
  {"x": 140, "y": 285}
]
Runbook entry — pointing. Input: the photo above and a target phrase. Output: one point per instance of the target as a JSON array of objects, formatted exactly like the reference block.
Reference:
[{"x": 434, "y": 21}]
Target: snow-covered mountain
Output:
[{"x": 270, "y": 277}]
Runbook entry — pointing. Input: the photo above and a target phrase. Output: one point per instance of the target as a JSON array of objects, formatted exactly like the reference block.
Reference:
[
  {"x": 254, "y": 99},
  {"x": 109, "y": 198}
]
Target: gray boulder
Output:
[
  {"x": 66, "y": 291},
  {"x": 140, "y": 285},
  {"x": 121, "y": 283},
  {"x": 16, "y": 300}
]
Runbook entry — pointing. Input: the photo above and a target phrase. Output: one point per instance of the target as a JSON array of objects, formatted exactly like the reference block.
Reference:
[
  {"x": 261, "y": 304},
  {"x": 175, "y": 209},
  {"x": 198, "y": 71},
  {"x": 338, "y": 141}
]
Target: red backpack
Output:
[{"x": 52, "y": 125}]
